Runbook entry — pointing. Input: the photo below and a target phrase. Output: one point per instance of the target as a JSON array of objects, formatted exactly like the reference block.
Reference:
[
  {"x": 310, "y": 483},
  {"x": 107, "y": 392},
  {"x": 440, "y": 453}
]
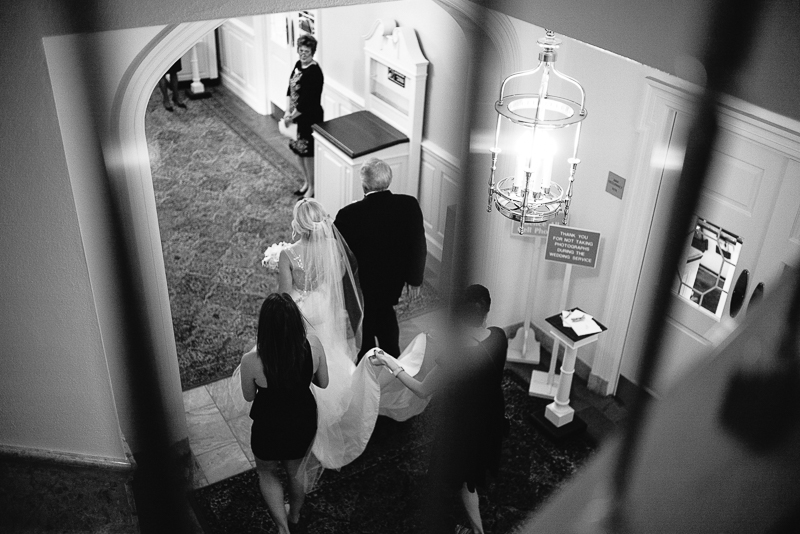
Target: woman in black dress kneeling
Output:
[{"x": 276, "y": 377}]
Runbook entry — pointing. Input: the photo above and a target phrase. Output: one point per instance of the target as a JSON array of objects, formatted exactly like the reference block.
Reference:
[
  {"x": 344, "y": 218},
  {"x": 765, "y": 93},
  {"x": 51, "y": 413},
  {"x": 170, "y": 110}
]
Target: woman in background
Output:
[
  {"x": 304, "y": 108},
  {"x": 173, "y": 84},
  {"x": 467, "y": 383},
  {"x": 276, "y": 377}
]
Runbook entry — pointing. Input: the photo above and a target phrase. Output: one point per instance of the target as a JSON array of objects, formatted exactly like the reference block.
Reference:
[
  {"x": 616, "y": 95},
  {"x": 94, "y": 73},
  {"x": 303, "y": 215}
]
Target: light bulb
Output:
[{"x": 524, "y": 148}]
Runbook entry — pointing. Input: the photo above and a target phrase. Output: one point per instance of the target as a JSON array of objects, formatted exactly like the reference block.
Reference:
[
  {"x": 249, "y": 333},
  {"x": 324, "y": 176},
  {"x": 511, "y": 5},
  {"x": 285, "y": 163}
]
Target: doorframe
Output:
[{"x": 663, "y": 98}]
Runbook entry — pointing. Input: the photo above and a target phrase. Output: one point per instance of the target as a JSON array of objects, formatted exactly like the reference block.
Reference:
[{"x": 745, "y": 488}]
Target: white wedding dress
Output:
[{"x": 325, "y": 288}]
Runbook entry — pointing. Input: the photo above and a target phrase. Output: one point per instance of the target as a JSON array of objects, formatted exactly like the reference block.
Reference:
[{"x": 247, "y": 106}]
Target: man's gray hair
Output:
[{"x": 376, "y": 175}]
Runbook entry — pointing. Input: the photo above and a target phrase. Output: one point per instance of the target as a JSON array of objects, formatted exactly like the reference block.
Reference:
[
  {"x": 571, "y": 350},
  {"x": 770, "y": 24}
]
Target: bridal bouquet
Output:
[{"x": 272, "y": 254}]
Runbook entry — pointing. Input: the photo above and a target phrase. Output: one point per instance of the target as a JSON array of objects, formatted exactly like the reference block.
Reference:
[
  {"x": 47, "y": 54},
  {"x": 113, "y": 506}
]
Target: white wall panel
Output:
[
  {"x": 439, "y": 188},
  {"x": 338, "y": 100},
  {"x": 241, "y": 58}
]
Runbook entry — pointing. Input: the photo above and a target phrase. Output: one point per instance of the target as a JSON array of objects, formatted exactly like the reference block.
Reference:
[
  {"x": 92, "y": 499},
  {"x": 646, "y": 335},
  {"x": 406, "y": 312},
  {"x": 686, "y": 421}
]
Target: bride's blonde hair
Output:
[{"x": 308, "y": 216}]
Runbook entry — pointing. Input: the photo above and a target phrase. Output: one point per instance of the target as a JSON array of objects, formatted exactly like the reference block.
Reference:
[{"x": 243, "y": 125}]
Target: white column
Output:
[
  {"x": 559, "y": 412},
  {"x": 197, "y": 86}
]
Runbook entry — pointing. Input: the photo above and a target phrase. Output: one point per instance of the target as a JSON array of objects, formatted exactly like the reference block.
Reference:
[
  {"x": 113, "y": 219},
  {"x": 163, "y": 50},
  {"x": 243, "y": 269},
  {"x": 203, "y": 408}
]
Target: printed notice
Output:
[
  {"x": 537, "y": 230},
  {"x": 572, "y": 245},
  {"x": 615, "y": 185}
]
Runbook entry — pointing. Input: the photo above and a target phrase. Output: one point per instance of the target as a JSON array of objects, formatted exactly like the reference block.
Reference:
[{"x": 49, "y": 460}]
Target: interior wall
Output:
[
  {"x": 54, "y": 381},
  {"x": 442, "y": 43}
]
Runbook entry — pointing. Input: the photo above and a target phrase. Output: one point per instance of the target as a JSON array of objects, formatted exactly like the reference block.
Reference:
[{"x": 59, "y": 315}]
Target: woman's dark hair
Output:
[
  {"x": 281, "y": 340},
  {"x": 473, "y": 305},
  {"x": 309, "y": 41}
]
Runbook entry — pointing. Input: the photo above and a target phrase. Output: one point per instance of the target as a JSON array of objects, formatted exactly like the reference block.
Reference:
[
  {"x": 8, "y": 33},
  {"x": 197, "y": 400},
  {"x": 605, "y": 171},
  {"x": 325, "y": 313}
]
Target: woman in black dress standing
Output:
[
  {"x": 467, "y": 383},
  {"x": 276, "y": 377},
  {"x": 304, "y": 107}
]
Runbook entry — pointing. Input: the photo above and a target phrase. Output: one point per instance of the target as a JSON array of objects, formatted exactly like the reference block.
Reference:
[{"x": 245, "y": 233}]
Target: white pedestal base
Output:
[
  {"x": 559, "y": 415},
  {"x": 197, "y": 89},
  {"x": 539, "y": 386},
  {"x": 515, "y": 346}
]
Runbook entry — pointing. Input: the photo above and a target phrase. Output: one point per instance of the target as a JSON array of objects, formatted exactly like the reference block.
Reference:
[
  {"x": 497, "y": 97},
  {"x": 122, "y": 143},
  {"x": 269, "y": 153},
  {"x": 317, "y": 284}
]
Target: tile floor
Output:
[{"x": 219, "y": 431}]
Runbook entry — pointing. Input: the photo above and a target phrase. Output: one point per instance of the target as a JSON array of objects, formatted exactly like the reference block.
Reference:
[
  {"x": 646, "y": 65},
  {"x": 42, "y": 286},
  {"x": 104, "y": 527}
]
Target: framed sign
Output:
[
  {"x": 397, "y": 78},
  {"x": 572, "y": 245}
]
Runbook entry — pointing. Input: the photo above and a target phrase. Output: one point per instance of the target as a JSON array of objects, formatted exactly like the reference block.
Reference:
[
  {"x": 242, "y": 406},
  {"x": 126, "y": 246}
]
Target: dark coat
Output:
[
  {"x": 309, "y": 96},
  {"x": 386, "y": 234}
]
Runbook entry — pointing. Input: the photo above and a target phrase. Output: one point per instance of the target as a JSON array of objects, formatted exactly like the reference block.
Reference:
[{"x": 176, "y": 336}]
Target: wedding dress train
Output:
[
  {"x": 348, "y": 408},
  {"x": 356, "y": 394}
]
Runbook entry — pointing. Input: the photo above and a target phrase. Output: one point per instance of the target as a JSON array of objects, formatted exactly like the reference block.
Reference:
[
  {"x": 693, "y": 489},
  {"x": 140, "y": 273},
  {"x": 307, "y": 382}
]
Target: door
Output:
[
  {"x": 725, "y": 240},
  {"x": 781, "y": 250},
  {"x": 285, "y": 29}
]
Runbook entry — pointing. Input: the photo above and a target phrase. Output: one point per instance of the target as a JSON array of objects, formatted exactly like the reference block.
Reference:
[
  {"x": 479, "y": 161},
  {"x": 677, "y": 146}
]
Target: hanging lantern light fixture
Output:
[{"x": 531, "y": 195}]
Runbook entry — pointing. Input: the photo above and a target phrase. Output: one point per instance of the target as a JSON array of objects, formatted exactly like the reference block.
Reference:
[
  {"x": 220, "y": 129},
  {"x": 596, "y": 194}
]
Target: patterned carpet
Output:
[
  {"x": 223, "y": 195},
  {"x": 381, "y": 491}
]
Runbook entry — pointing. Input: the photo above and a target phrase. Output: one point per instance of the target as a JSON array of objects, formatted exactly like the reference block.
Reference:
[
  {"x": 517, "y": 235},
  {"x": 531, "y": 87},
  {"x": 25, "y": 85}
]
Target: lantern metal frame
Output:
[{"x": 531, "y": 111}]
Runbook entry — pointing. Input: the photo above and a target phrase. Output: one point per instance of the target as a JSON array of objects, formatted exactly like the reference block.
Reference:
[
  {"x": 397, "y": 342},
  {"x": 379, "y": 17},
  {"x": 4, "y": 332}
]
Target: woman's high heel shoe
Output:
[{"x": 301, "y": 192}]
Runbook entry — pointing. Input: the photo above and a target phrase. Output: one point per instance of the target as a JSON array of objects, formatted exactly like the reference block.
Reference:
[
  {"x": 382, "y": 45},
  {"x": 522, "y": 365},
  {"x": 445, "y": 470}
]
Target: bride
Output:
[{"x": 321, "y": 274}]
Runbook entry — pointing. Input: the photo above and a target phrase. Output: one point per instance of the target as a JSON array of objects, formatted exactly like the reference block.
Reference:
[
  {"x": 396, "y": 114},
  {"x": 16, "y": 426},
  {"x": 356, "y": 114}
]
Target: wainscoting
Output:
[
  {"x": 439, "y": 183},
  {"x": 242, "y": 60},
  {"x": 338, "y": 101}
]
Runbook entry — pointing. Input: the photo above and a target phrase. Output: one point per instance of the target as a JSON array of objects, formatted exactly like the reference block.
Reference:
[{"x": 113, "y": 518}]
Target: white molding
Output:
[
  {"x": 67, "y": 458},
  {"x": 775, "y": 131},
  {"x": 631, "y": 244},
  {"x": 128, "y": 162},
  {"x": 732, "y": 107}
]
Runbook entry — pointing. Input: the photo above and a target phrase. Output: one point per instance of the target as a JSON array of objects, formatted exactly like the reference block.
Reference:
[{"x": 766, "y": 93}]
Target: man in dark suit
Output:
[{"x": 386, "y": 234}]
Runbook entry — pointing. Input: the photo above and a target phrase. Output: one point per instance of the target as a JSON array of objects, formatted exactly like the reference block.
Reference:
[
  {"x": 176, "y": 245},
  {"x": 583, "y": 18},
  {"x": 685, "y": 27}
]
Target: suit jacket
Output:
[{"x": 386, "y": 234}]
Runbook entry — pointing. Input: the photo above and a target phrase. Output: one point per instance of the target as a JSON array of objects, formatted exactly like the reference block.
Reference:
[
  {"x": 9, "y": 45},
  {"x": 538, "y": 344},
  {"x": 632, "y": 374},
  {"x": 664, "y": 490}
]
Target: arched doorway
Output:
[{"x": 127, "y": 151}]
